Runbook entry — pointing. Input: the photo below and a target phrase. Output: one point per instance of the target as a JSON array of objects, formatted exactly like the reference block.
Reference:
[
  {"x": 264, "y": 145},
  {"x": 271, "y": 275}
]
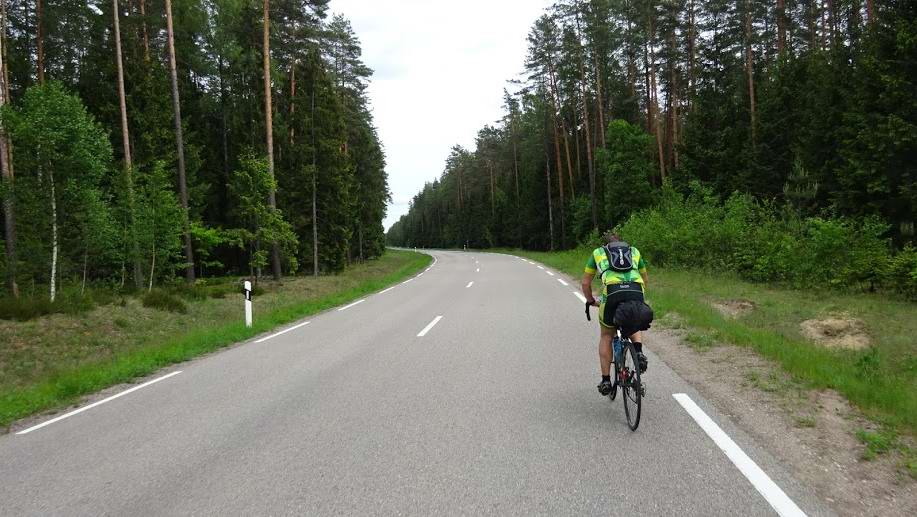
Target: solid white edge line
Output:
[
  {"x": 562, "y": 282},
  {"x": 429, "y": 326},
  {"x": 284, "y": 331},
  {"x": 469, "y": 284},
  {"x": 344, "y": 308},
  {"x": 580, "y": 296},
  {"x": 550, "y": 273},
  {"x": 387, "y": 290},
  {"x": 406, "y": 281},
  {"x": 99, "y": 403},
  {"x": 774, "y": 495}
]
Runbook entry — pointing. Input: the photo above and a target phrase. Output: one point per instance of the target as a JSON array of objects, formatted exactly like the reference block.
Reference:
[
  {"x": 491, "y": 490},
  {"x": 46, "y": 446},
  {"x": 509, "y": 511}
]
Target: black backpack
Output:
[{"x": 620, "y": 256}]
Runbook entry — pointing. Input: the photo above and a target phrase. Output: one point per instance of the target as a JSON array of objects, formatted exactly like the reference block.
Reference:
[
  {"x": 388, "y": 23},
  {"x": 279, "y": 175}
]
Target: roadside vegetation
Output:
[{"x": 51, "y": 361}]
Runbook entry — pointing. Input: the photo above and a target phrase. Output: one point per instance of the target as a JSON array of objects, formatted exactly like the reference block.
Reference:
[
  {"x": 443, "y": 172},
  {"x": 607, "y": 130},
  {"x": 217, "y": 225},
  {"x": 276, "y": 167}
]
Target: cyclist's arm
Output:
[
  {"x": 641, "y": 267},
  {"x": 587, "y": 287},
  {"x": 588, "y": 274}
]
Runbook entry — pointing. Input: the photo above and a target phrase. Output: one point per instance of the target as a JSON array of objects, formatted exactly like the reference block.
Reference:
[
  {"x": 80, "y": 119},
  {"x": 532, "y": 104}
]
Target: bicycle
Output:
[{"x": 626, "y": 375}]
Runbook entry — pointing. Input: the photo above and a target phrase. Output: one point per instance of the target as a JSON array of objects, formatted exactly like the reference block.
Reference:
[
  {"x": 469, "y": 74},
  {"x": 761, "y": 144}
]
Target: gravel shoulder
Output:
[{"x": 812, "y": 432}]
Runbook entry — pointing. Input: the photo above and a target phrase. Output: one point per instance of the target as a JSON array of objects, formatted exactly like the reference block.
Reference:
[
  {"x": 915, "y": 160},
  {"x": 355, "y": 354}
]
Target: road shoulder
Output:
[{"x": 812, "y": 432}]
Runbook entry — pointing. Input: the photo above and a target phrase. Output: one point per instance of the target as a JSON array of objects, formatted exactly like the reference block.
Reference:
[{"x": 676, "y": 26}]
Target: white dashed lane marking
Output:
[
  {"x": 358, "y": 302},
  {"x": 284, "y": 331},
  {"x": 429, "y": 326},
  {"x": 562, "y": 282},
  {"x": 469, "y": 284}
]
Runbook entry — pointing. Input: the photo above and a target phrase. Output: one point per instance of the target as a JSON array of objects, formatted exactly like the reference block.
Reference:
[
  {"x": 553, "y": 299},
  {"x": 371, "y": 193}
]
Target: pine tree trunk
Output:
[
  {"x": 870, "y": 14},
  {"x": 40, "y": 41},
  {"x": 587, "y": 132},
  {"x": 493, "y": 202},
  {"x": 749, "y": 67},
  {"x": 152, "y": 263},
  {"x": 224, "y": 132},
  {"x": 180, "y": 147},
  {"x": 599, "y": 103},
  {"x": 555, "y": 104},
  {"x": 692, "y": 56},
  {"x": 547, "y": 182},
  {"x": 824, "y": 27},
  {"x": 128, "y": 163},
  {"x": 54, "y": 243},
  {"x": 360, "y": 239},
  {"x": 652, "y": 106},
  {"x": 292, "y": 100},
  {"x": 6, "y": 172},
  {"x": 85, "y": 270},
  {"x": 314, "y": 188},
  {"x": 672, "y": 100},
  {"x": 146, "y": 36},
  {"x": 269, "y": 129},
  {"x": 560, "y": 183},
  {"x": 512, "y": 124},
  {"x": 781, "y": 27}
]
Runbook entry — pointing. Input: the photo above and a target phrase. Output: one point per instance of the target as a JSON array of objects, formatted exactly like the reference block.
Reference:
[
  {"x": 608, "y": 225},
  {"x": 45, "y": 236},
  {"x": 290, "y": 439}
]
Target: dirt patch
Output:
[
  {"x": 837, "y": 332},
  {"x": 811, "y": 432},
  {"x": 733, "y": 308}
]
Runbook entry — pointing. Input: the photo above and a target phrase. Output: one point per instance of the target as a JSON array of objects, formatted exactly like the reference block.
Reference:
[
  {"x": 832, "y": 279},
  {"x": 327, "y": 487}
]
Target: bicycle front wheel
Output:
[{"x": 631, "y": 387}]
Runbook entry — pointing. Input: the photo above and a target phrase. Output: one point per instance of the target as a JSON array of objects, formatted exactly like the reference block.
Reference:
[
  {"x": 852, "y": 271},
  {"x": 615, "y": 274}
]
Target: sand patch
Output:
[
  {"x": 837, "y": 332},
  {"x": 733, "y": 308}
]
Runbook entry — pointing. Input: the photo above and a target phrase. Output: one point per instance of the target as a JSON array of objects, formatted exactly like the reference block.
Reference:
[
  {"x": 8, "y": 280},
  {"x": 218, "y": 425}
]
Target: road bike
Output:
[{"x": 626, "y": 369}]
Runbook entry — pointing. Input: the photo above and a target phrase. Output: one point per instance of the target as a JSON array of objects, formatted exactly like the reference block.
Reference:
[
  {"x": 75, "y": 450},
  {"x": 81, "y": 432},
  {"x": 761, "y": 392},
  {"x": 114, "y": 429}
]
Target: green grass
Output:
[
  {"x": 876, "y": 442},
  {"x": 49, "y": 362},
  {"x": 806, "y": 421},
  {"x": 881, "y": 381}
]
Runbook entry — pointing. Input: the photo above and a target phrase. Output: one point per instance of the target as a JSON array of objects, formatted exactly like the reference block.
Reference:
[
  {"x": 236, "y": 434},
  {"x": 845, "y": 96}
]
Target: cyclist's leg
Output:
[
  {"x": 605, "y": 352},
  {"x": 606, "y": 337}
]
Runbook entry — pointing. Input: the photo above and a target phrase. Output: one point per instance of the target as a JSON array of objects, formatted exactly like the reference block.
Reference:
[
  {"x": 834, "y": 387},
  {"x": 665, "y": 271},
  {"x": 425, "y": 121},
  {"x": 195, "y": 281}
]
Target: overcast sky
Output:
[{"x": 440, "y": 69}]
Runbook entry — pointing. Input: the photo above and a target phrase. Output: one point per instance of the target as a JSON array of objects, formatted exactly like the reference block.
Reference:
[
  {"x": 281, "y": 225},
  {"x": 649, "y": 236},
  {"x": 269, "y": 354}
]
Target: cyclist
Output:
[{"x": 623, "y": 274}]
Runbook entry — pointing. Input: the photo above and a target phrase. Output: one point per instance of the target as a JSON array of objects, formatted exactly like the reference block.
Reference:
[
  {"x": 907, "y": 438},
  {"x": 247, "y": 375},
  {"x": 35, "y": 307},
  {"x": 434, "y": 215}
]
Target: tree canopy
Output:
[{"x": 122, "y": 221}]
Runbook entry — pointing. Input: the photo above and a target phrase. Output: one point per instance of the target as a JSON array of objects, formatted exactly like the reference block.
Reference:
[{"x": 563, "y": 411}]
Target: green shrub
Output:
[
  {"x": 30, "y": 307},
  {"x": 25, "y": 308},
  {"x": 164, "y": 301},
  {"x": 901, "y": 273},
  {"x": 187, "y": 291},
  {"x": 765, "y": 242}
]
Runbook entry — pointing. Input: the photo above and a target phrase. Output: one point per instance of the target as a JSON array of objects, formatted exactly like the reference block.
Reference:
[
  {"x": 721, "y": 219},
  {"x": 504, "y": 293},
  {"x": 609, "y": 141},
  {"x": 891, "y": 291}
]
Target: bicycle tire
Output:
[{"x": 631, "y": 389}]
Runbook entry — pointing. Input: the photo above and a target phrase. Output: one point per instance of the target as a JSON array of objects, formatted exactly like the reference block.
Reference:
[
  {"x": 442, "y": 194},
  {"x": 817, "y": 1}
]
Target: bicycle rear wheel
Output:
[{"x": 631, "y": 387}]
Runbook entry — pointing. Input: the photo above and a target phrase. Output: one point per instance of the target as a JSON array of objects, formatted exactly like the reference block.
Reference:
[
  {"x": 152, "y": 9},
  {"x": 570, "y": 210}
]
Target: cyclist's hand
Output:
[{"x": 593, "y": 302}]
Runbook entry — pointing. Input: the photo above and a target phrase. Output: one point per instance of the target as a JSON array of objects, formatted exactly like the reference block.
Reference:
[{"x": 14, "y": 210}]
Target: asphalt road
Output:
[{"x": 493, "y": 411}]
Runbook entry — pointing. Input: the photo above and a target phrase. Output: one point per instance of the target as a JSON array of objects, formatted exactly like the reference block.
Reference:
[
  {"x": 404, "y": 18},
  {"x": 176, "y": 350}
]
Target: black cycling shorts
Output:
[{"x": 615, "y": 294}]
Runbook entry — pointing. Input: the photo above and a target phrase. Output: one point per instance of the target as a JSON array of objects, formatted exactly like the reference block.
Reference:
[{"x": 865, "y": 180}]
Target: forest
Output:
[
  {"x": 146, "y": 142},
  {"x": 777, "y": 139}
]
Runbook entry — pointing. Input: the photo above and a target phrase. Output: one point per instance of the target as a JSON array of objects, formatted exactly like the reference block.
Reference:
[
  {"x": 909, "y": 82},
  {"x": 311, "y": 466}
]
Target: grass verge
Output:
[
  {"x": 881, "y": 380},
  {"x": 50, "y": 362}
]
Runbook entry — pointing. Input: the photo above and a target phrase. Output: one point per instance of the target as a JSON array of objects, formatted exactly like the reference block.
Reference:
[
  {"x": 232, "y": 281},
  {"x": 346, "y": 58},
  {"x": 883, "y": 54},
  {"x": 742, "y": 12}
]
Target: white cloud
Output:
[{"x": 441, "y": 66}]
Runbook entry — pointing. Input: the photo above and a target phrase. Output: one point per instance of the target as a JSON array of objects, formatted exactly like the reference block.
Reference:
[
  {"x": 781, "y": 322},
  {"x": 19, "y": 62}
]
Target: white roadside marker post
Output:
[{"x": 247, "y": 291}]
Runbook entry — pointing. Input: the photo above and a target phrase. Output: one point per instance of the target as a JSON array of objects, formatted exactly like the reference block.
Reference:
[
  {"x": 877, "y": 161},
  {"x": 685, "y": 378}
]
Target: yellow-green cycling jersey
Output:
[{"x": 598, "y": 261}]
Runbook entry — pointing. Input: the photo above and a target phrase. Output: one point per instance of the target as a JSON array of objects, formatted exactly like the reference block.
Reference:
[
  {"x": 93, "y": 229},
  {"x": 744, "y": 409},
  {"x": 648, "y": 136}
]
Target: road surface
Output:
[{"x": 469, "y": 389}]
